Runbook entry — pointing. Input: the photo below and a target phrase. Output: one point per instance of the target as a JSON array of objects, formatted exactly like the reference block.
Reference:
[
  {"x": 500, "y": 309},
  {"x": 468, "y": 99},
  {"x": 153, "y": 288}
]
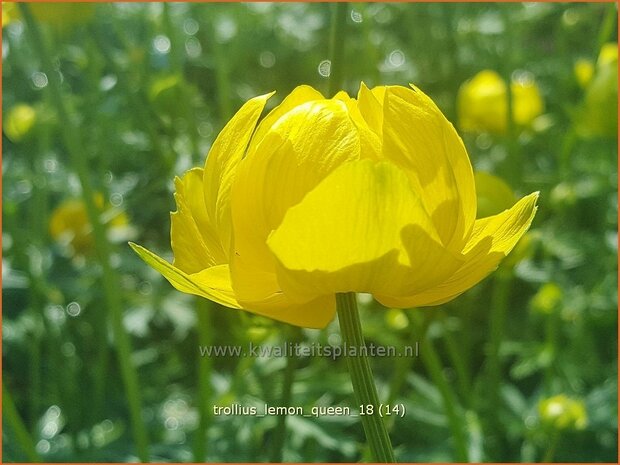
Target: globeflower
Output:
[
  {"x": 372, "y": 194},
  {"x": 483, "y": 103}
]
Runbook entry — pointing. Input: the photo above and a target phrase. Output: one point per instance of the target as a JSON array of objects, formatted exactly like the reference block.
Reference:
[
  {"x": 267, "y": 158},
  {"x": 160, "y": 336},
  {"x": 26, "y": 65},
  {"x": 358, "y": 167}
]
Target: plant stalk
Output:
[
  {"x": 287, "y": 394},
  {"x": 362, "y": 379},
  {"x": 433, "y": 365}
]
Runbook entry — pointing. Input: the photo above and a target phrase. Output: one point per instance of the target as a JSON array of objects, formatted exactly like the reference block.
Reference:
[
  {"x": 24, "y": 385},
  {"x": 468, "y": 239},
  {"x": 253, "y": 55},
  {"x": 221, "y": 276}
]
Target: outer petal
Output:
[
  {"x": 295, "y": 155},
  {"x": 369, "y": 140},
  {"x": 300, "y": 94},
  {"x": 417, "y": 137},
  {"x": 316, "y": 313},
  {"x": 371, "y": 109},
  {"x": 220, "y": 167},
  {"x": 492, "y": 239},
  {"x": 362, "y": 229},
  {"x": 212, "y": 283},
  {"x": 195, "y": 243}
]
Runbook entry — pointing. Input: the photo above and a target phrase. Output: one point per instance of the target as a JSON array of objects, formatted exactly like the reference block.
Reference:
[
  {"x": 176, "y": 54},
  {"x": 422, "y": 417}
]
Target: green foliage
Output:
[{"x": 149, "y": 86}]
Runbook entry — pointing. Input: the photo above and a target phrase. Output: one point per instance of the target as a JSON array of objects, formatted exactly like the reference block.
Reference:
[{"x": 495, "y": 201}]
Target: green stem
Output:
[
  {"x": 287, "y": 394},
  {"x": 205, "y": 367},
  {"x": 336, "y": 47},
  {"x": 455, "y": 352},
  {"x": 553, "y": 444},
  {"x": 568, "y": 145},
  {"x": 361, "y": 377},
  {"x": 515, "y": 165},
  {"x": 177, "y": 61},
  {"x": 608, "y": 27},
  {"x": 432, "y": 363},
  {"x": 499, "y": 308},
  {"x": 372, "y": 54},
  {"x": 552, "y": 330},
  {"x": 222, "y": 72},
  {"x": 71, "y": 138},
  {"x": 10, "y": 414}
]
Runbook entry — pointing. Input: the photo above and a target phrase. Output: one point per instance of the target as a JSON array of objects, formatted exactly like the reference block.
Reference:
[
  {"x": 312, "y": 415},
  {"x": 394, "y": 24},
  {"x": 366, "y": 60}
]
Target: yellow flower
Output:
[
  {"x": 19, "y": 121},
  {"x": 561, "y": 412},
  {"x": 374, "y": 194},
  {"x": 483, "y": 103},
  {"x": 70, "y": 227},
  {"x": 598, "y": 114}
]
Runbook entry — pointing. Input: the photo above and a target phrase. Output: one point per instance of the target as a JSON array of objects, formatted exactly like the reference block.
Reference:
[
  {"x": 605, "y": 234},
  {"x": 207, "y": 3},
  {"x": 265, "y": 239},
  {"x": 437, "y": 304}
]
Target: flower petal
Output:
[
  {"x": 362, "y": 229},
  {"x": 300, "y": 94},
  {"x": 492, "y": 239},
  {"x": 212, "y": 283},
  {"x": 303, "y": 147},
  {"x": 418, "y": 138},
  {"x": 220, "y": 167},
  {"x": 371, "y": 109},
  {"x": 195, "y": 243},
  {"x": 370, "y": 142},
  {"x": 316, "y": 313}
]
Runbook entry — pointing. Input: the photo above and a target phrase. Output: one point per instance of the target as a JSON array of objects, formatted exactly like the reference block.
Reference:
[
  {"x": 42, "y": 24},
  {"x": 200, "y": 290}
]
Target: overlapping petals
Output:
[{"x": 369, "y": 194}]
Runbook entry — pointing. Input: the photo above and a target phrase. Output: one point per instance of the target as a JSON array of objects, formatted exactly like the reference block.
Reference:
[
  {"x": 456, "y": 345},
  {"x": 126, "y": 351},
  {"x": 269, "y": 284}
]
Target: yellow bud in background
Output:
[
  {"x": 584, "y": 70},
  {"x": 483, "y": 103},
  {"x": 563, "y": 413},
  {"x": 70, "y": 227},
  {"x": 9, "y": 13},
  {"x": 547, "y": 299},
  {"x": 598, "y": 114},
  {"x": 493, "y": 194},
  {"x": 396, "y": 319},
  {"x": 527, "y": 101},
  {"x": 608, "y": 55},
  {"x": 257, "y": 334},
  {"x": 19, "y": 121}
]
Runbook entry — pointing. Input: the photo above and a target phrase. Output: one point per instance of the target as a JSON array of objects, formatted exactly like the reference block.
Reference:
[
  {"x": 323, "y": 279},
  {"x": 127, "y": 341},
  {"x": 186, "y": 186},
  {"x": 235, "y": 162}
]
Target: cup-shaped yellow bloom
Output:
[
  {"x": 483, "y": 103},
  {"x": 374, "y": 194}
]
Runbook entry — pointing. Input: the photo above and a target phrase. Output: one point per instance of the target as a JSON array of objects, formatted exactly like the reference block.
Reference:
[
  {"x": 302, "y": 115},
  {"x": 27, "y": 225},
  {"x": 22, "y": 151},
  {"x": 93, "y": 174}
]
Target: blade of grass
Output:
[
  {"x": 279, "y": 437},
  {"x": 337, "y": 37},
  {"x": 10, "y": 414},
  {"x": 73, "y": 143},
  {"x": 433, "y": 365}
]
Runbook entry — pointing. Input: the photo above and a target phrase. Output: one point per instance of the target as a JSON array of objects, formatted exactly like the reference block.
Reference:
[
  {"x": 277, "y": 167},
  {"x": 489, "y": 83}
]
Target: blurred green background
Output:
[{"x": 107, "y": 103}]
